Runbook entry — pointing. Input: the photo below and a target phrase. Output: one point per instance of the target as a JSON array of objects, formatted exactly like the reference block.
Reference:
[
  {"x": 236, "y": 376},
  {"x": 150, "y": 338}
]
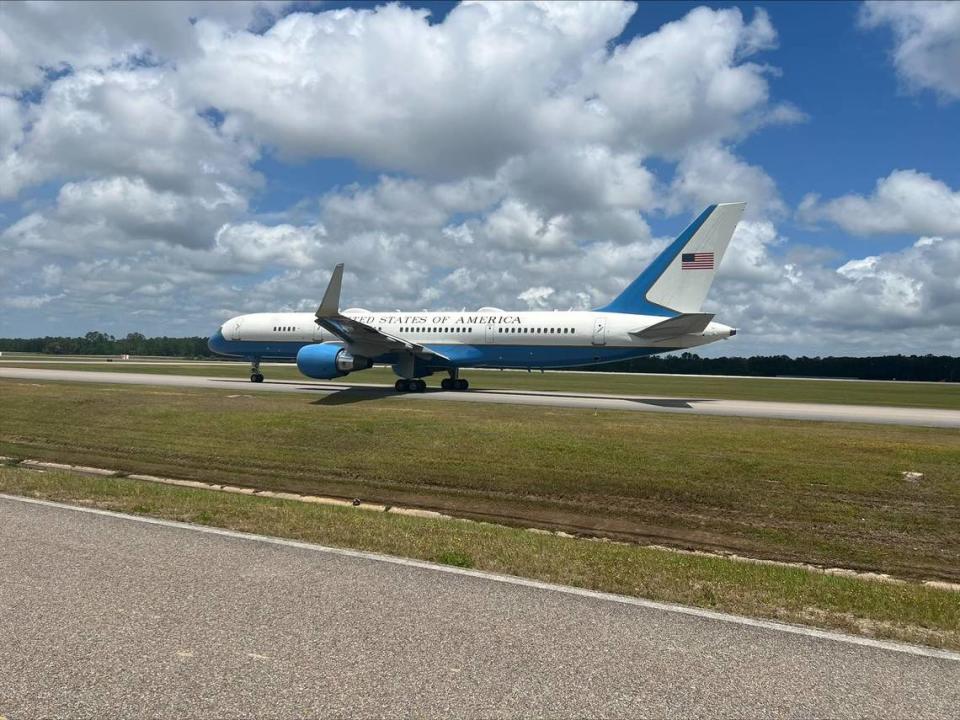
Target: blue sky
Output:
[{"x": 518, "y": 155}]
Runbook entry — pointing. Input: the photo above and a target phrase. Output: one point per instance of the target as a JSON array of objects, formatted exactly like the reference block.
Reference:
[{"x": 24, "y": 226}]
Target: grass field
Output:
[
  {"x": 903, "y": 611},
  {"x": 831, "y": 494},
  {"x": 932, "y": 395}
]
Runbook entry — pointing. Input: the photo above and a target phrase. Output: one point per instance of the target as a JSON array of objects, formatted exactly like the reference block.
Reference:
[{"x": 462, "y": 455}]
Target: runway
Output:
[
  {"x": 111, "y": 615},
  {"x": 342, "y": 393}
]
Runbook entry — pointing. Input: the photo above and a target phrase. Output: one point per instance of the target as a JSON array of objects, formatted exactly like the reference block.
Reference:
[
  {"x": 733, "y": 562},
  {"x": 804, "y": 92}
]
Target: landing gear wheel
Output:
[
  {"x": 447, "y": 384},
  {"x": 256, "y": 378},
  {"x": 402, "y": 385},
  {"x": 461, "y": 384},
  {"x": 418, "y": 386}
]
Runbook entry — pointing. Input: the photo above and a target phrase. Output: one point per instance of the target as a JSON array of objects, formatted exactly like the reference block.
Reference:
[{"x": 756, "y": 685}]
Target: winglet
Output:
[{"x": 330, "y": 305}]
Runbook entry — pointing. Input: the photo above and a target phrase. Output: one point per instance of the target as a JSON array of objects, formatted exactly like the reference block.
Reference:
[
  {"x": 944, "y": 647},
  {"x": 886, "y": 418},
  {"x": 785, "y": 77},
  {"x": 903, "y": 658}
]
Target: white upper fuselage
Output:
[{"x": 487, "y": 326}]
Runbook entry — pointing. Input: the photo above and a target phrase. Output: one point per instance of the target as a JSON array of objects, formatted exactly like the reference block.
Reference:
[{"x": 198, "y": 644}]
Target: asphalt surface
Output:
[
  {"x": 358, "y": 392},
  {"x": 113, "y": 616}
]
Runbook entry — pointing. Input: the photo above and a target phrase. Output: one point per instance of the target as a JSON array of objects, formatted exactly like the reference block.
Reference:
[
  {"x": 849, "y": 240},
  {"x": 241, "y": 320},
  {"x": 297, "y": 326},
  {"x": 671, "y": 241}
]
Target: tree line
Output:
[
  {"x": 98, "y": 343},
  {"x": 887, "y": 367},
  {"x": 937, "y": 368}
]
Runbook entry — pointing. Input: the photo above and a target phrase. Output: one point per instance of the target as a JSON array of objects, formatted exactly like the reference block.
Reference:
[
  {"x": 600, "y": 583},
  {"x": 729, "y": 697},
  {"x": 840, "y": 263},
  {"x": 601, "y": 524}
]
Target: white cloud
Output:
[
  {"x": 536, "y": 297},
  {"x": 124, "y": 122},
  {"x": 490, "y": 82},
  {"x": 709, "y": 174},
  {"x": 899, "y": 302},
  {"x": 37, "y": 37},
  {"x": 577, "y": 178},
  {"x": 23, "y": 302},
  {"x": 687, "y": 83},
  {"x": 11, "y": 125},
  {"x": 121, "y": 215},
  {"x": 253, "y": 246},
  {"x": 927, "y": 42},
  {"x": 904, "y": 202}
]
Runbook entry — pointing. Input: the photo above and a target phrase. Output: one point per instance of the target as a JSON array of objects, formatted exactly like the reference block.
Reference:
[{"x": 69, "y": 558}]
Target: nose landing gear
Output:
[{"x": 255, "y": 375}]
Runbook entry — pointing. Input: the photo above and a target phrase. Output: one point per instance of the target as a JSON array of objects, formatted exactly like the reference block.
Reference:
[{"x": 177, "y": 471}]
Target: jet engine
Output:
[{"x": 326, "y": 361}]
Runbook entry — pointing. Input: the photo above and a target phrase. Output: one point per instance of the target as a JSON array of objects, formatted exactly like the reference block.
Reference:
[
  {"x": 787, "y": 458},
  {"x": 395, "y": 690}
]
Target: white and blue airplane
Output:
[{"x": 659, "y": 311}]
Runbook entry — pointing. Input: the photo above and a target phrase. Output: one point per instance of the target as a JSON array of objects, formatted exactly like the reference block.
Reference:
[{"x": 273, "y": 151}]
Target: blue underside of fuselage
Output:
[{"x": 460, "y": 356}]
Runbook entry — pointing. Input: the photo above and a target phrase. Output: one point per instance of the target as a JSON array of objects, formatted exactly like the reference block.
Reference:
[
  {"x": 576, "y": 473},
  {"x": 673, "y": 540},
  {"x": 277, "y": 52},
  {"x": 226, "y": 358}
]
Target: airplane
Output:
[{"x": 660, "y": 311}]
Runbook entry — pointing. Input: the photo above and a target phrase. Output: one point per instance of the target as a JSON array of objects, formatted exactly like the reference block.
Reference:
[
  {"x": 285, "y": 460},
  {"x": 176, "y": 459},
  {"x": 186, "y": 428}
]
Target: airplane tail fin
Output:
[{"x": 678, "y": 280}]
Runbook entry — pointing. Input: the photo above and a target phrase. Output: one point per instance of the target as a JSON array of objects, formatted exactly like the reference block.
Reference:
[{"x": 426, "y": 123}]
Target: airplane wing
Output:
[
  {"x": 683, "y": 324},
  {"x": 360, "y": 337}
]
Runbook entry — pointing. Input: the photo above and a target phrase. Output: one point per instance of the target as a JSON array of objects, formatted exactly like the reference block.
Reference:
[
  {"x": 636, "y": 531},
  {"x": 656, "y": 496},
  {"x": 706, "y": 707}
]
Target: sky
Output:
[{"x": 164, "y": 166}]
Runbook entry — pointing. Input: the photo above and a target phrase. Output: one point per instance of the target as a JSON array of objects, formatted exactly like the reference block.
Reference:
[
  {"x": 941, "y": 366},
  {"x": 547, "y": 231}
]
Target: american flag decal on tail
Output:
[{"x": 696, "y": 261}]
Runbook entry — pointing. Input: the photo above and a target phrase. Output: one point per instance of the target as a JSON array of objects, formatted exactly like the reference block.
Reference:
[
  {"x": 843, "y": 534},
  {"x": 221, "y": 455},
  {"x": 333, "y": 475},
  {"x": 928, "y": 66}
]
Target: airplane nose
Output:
[{"x": 216, "y": 341}]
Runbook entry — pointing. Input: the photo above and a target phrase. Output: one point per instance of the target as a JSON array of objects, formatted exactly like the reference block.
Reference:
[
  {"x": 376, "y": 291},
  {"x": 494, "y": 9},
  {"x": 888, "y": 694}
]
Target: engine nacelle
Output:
[{"x": 326, "y": 361}]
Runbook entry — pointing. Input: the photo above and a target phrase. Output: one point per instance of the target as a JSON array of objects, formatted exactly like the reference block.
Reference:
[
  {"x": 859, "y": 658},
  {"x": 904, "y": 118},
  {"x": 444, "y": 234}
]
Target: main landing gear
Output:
[
  {"x": 451, "y": 384},
  {"x": 454, "y": 382},
  {"x": 411, "y": 385},
  {"x": 255, "y": 374},
  {"x": 418, "y": 385}
]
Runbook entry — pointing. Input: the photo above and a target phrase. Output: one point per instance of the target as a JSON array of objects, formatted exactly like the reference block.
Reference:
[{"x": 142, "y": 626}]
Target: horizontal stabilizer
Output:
[{"x": 685, "y": 324}]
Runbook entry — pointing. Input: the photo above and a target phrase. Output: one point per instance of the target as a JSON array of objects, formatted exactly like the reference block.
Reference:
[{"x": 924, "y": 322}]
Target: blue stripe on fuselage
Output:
[{"x": 495, "y": 356}]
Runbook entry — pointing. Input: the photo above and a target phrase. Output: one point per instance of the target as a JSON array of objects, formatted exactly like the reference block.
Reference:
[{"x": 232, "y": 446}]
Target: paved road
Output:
[
  {"x": 341, "y": 393},
  {"x": 113, "y": 616}
]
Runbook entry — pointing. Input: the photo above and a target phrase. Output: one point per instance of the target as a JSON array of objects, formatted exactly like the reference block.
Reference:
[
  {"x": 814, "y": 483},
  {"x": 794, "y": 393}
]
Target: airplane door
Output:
[
  {"x": 236, "y": 329},
  {"x": 600, "y": 331},
  {"x": 490, "y": 334}
]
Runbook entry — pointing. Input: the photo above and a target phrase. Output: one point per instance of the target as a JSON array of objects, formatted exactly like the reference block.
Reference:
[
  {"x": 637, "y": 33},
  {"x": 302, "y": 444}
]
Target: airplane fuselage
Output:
[{"x": 485, "y": 338}]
